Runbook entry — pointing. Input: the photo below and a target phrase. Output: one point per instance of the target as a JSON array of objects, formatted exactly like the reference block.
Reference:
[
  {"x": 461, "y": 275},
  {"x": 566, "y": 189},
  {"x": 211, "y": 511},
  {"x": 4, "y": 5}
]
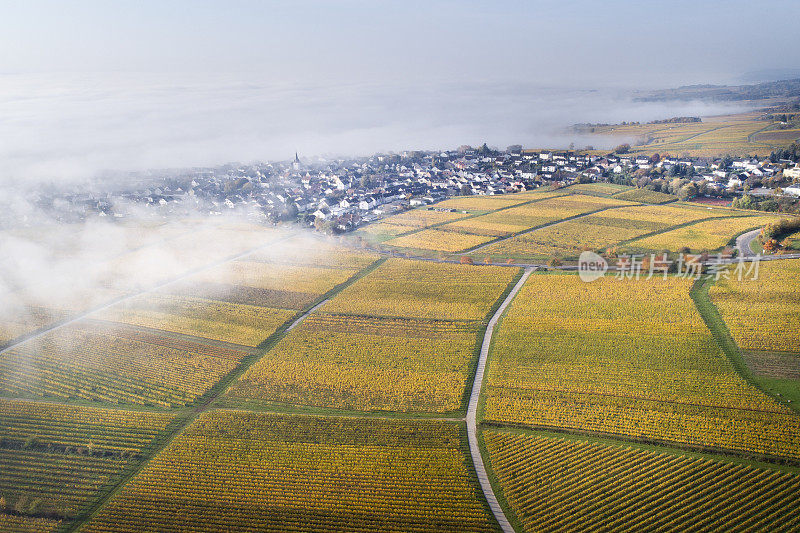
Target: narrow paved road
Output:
[
  {"x": 743, "y": 242},
  {"x": 745, "y": 252},
  {"x": 472, "y": 409}
]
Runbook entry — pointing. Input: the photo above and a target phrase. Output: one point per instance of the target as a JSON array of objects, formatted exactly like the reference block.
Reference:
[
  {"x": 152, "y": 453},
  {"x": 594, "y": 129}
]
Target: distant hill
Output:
[
  {"x": 758, "y": 91},
  {"x": 772, "y": 74}
]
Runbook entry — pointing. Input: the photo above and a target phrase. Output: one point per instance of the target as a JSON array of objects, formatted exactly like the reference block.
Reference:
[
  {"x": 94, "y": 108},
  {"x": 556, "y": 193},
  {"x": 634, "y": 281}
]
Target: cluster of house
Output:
[{"x": 345, "y": 193}]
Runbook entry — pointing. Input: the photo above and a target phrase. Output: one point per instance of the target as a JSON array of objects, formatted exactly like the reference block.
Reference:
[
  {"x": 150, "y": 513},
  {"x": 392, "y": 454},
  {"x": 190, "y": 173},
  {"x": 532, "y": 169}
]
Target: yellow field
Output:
[
  {"x": 423, "y": 217},
  {"x": 412, "y": 220},
  {"x": 480, "y": 229},
  {"x": 645, "y": 196},
  {"x": 707, "y": 235},
  {"x": 555, "y": 484},
  {"x": 598, "y": 188},
  {"x": 276, "y": 276},
  {"x": 419, "y": 289},
  {"x": 385, "y": 228},
  {"x": 485, "y": 203},
  {"x": 598, "y": 231},
  {"x": 435, "y": 239},
  {"x": 238, "y": 471},
  {"x": 734, "y": 134},
  {"x": 24, "y": 524},
  {"x": 762, "y": 314},
  {"x": 236, "y": 323},
  {"x": 313, "y": 251},
  {"x": 484, "y": 225},
  {"x": 628, "y": 358},
  {"x": 100, "y": 362},
  {"x": 365, "y": 364}
]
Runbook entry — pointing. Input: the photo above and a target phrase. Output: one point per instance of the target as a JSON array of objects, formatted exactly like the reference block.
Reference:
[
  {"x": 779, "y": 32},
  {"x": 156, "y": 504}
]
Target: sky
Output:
[{"x": 92, "y": 85}]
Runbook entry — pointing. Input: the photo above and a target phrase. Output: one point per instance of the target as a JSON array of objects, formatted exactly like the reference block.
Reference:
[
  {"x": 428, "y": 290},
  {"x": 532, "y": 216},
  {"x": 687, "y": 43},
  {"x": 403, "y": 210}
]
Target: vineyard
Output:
[
  {"x": 540, "y": 208},
  {"x": 25, "y": 524},
  {"x": 241, "y": 324},
  {"x": 599, "y": 231},
  {"x": 706, "y": 235},
  {"x": 55, "y": 458},
  {"x": 94, "y": 361},
  {"x": 627, "y": 358},
  {"x": 762, "y": 314},
  {"x": 438, "y": 240},
  {"x": 243, "y": 302},
  {"x": 194, "y": 406},
  {"x": 603, "y": 189},
  {"x": 483, "y": 204},
  {"x": 382, "y": 344},
  {"x": 645, "y": 196},
  {"x": 726, "y": 134},
  {"x": 556, "y": 484},
  {"x": 168, "y": 348},
  {"x": 304, "y": 474},
  {"x": 418, "y": 289}
]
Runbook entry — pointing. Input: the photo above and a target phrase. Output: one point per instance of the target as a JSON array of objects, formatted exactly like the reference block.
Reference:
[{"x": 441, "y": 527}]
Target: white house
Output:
[{"x": 792, "y": 173}]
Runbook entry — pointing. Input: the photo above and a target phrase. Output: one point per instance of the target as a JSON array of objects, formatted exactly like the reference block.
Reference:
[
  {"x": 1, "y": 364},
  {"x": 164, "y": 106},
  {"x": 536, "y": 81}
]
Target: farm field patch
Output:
[
  {"x": 607, "y": 189},
  {"x": 762, "y": 314},
  {"x": 238, "y": 471},
  {"x": 628, "y": 358},
  {"x": 438, "y": 240},
  {"x": 706, "y": 235},
  {"x": 382, "y": 343},
  {"x": 243, "y": 324},
  {"x": 424, "y": 290},
  {"x": 555, "y": 484},
  {"x": 101, "y": 362},
  {"x": 467, "y": 233},
  {"x": 55, "y": 458},
  {"x": 365, "y": 364},
  {"x": 598, "y": 231},
  {"x": 645, "y": 196}
]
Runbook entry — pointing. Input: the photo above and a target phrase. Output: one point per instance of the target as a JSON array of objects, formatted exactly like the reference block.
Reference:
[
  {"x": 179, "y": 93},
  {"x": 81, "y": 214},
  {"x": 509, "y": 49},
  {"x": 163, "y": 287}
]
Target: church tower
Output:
[{"x": 296, "y": 163}]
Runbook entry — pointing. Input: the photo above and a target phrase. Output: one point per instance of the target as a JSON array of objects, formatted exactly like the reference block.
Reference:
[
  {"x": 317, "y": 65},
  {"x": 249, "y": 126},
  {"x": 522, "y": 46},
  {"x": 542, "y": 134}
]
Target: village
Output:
[{"x": 339, "y": 195}]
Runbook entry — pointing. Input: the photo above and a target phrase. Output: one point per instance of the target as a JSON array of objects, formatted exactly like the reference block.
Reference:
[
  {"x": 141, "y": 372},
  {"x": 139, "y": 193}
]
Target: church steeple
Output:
[{"x": 296, "y": 163}]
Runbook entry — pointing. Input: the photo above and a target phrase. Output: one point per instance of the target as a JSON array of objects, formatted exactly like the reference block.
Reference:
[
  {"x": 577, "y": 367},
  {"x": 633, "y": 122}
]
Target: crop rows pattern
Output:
[
  {"x": 262, "y": 472},
  {"x": 630, "y": 358},
  {"x": 55, "y": 458},
  {"x": 554, "y": 484},
  {"x": 762, "y": 314},
  {"x": 399, "y": 339}
]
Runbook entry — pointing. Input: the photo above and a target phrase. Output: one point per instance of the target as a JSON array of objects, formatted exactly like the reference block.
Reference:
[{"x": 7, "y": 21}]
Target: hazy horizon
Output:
[{"x": 87, "y": 86}]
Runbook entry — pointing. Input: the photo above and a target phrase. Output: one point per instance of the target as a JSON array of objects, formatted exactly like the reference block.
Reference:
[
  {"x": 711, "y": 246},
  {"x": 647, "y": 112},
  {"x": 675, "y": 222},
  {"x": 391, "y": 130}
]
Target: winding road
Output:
[
  {"x": 743, "y": 243},
  {"x": 745, "y": 252},
  {"x": 472, "y": 409}
]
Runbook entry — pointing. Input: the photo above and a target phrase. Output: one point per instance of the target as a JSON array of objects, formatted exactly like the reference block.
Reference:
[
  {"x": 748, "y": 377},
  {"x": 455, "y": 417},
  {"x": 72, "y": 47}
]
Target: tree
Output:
[
  {"x": 623, "y": 148},
  {"x": 727, "y": 161},
  {"x": 688, "y": 191}
]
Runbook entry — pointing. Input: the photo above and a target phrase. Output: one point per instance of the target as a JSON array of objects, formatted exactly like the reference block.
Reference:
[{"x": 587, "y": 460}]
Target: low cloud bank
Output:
[{"x": 59, "y": 127}]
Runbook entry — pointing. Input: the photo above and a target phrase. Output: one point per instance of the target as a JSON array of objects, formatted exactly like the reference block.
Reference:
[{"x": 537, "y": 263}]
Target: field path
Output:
[
  {"x": 472, "y": 409},
  {"x": 743, "y": 242}
]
